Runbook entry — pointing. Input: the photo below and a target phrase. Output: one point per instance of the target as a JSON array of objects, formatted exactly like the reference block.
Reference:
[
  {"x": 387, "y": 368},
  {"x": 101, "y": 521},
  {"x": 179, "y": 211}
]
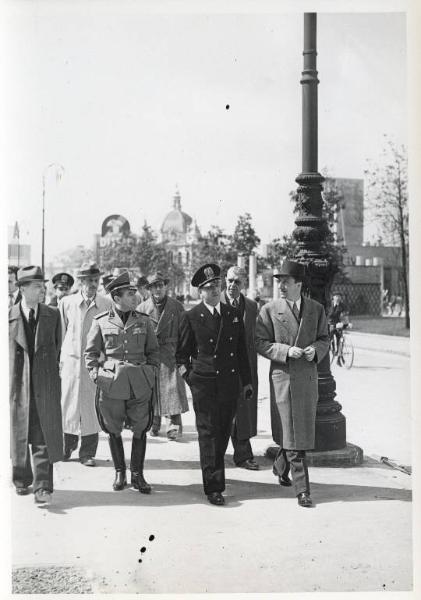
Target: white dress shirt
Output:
[
  {"x": 26, "y": 309},
  {"x": 212, "y": 309}
]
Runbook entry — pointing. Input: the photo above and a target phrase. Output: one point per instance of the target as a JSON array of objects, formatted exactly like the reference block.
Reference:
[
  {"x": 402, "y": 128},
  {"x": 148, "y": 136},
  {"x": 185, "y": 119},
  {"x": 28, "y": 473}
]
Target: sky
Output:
[{"x": 132, "y": 105}]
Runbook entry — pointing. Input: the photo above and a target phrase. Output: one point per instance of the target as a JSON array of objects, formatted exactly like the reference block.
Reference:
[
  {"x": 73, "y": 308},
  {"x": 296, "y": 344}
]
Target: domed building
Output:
[{"x": 180, "y": 232}]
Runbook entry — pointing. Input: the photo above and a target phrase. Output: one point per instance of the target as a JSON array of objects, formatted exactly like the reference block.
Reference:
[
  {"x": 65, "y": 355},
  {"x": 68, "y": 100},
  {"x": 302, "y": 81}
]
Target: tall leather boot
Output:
[
  {"x": 117, "y": 453},
  {"x": 136, "y": 465}
]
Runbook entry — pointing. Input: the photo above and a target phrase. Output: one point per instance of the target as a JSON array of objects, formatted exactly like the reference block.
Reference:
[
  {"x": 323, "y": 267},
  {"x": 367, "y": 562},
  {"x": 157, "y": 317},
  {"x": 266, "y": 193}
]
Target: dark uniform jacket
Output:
[
  {"x": 131, "y": 354},
  {"x": 207, "y": 351},
  {"x": 246, "y": 415}
]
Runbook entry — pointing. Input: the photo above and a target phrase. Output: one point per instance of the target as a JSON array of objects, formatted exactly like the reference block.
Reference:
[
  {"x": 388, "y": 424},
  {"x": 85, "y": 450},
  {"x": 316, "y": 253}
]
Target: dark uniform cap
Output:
[
  {"x": 31, "y": 273},
  {"x": 291, "y": 268},
  {"x": 106, "y": 279},
  {"x": 141, "y": 281},
  {"x": 120, "y": 282},
  {"x": 89, "y": 269},
  {"x": 155, "y": 277},
  {"x": 63, "y": 279},
  {"x": 206, "y": 274}
]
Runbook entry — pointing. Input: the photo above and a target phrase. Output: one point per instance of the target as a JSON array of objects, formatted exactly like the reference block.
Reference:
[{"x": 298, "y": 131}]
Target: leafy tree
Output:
[
  {"x": 387, "y": 201},
  {"x": 216, "y": 247},
  {"x": 244, "y": 238}
]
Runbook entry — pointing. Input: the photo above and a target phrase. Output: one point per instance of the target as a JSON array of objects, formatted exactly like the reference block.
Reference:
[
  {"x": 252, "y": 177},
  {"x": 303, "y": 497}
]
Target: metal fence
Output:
[{"x": 361, "y": 298}]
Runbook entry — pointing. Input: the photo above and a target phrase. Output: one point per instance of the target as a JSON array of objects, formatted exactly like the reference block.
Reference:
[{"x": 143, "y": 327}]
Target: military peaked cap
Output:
[
  {"x": 119, "y": 283},
  {"x": 63, "y": 279},
  {"x": 206, "y": 274}
]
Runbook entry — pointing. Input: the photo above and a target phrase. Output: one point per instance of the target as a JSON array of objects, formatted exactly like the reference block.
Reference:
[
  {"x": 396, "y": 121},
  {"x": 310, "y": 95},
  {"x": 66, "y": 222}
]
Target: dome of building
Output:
[{"x": 176, "y": 221}]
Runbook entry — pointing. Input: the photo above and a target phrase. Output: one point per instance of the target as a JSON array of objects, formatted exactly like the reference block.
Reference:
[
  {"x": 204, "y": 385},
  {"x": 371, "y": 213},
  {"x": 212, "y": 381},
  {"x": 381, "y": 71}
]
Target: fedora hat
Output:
[
  {"x": 205, "y": 274},
  {"x": 119, "y": 283},
  {"x": 155, "y": 277},
  {"x": 291, "y": 268},
  {"x": 89, "y": 269},
  {"x": 28, "y": 274}
]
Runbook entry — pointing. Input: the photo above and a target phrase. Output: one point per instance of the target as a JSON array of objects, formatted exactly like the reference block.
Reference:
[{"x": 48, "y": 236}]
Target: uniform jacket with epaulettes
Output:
[
  {"x": 131, "y": 354},
  {"x": 208, "y": 351}
]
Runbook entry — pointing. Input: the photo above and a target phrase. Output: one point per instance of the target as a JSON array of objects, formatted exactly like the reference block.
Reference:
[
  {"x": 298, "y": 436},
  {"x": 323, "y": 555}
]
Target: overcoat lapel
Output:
[
  {"x": 285, "y": 316},
  {"x": 41, "y": 326},
  {"x": 306, "y": 312},
  {"x": 166, "y": 317},
  {"x": 19, "y": 328}
]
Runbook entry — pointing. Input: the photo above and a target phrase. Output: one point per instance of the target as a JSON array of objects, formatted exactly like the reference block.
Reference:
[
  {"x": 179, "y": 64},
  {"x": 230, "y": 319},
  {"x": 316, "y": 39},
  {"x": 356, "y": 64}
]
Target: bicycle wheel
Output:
[{"x": 347, "y": 352}]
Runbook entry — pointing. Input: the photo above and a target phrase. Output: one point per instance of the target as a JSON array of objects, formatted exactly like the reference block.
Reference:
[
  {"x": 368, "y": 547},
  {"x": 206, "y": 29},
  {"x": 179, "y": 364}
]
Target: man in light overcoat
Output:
[
  {"x": 165, "y": 314},
  {"x": 78, "y": 391},
  {"x": 34, "y": 348},
  {"x": 292, "y": 333},
  {"x": 245, "y": 420}
]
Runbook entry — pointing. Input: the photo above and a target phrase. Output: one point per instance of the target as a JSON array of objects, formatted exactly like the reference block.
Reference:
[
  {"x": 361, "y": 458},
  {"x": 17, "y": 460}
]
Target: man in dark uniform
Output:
[
  {"x": 126, "y": 379},
  {"x": 211, "y": 355},
  {"x": 336, "y": 314},
  {"x": 63, "y": 283}
]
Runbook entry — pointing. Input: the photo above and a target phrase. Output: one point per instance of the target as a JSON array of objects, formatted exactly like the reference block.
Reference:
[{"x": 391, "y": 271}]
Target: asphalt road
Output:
[{"x": 357, "y": 538}]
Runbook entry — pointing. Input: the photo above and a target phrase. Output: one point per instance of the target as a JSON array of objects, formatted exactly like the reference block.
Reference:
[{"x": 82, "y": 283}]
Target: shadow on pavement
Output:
[{"x": 237, "y": 491}]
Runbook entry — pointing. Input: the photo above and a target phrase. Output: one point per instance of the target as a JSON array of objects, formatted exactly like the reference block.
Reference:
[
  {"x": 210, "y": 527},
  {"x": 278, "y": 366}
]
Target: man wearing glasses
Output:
[
  {"x": 245, "y": 421},
  {"x": 212, "y": 358}
]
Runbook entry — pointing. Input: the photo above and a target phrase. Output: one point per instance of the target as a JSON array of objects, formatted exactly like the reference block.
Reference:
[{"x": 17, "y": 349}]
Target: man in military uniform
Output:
[
  {"x": 126, "y": 379},
  {"x": 211, "y": 355},
  {"x": 63, "y": 283}
]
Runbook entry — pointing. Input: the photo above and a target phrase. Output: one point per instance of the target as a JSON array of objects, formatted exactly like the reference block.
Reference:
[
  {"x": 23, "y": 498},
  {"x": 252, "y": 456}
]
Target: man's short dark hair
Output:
[{"x": 12, "y": 269}]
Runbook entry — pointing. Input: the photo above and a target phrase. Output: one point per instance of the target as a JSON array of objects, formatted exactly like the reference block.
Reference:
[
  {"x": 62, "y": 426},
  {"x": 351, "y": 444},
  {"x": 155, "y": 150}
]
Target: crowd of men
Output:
[{"x": 121, "y": 358}]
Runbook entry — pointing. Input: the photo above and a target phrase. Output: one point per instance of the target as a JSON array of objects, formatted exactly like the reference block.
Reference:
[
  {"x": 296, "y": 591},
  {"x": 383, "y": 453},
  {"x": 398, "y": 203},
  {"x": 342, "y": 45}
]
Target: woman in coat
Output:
[{"x": 165, "y": 314}]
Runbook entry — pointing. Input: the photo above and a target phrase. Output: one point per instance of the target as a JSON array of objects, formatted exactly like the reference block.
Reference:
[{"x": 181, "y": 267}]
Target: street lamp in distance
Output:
[{"x": 59, "y": 172}]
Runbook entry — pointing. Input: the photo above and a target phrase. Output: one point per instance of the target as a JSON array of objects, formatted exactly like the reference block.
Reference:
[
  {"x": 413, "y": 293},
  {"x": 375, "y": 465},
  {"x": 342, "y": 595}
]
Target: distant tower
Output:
[{"x": 179, "y": 233}]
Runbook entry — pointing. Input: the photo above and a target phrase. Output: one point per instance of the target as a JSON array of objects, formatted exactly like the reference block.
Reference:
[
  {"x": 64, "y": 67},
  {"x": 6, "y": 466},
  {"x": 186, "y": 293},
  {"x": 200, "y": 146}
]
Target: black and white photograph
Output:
[{"x": 211, "y": 270}]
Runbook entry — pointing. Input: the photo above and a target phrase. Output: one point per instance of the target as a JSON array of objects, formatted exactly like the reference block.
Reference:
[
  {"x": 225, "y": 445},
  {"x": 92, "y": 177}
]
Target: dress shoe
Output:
[
  {"x": 22, "y": 491},
  {"x": 250, "y": 464},
  {"x": 285, "y": 481},
  {"x": 172, "y": 435},
  {"x": 42, "y": 497},
  {"x": 216, "y": 498},
  {"x": 67, "y": 454},
  {"x": 154, "y": 432},
  {"x": 88, "y": 461},
  {"x": 304, "y": 500}
]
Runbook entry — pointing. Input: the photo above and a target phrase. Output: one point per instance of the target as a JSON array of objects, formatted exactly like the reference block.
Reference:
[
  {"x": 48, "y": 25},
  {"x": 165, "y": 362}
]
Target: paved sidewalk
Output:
[{"x": 357, "y": 538}]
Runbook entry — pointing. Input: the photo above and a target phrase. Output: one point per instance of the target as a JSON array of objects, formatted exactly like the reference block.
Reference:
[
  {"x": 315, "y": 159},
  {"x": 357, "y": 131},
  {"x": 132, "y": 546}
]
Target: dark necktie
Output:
[
  {"x": 235, "y": 303},
  {"x": 295, "y": 311},
  {"x": 31, "y": 319},
  {"x": 216, "y": 316}
]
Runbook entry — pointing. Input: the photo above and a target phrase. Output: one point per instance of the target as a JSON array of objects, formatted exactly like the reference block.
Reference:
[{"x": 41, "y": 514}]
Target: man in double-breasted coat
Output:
[
  {"x": 78, "y": 392},
  {"x": 122, "y": 356},
  {"x": 245, "y": 420},
  {"x": 292, "y": 333},
  {"x": 212, "y": 358},
  {"x": 165, "y": 314},
  {"x": 34, "y": 347}
]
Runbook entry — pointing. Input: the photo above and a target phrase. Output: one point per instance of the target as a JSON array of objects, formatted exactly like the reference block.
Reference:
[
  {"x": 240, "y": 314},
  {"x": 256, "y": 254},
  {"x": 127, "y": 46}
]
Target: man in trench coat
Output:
[
  {"x": 78, "y": 392},
  {"x": 165, "y": 314},
  {"x": 245, "y": 421},
  {"x": 292, "y": 333},
  {"x": 34, "y": 348},
  {"x": 212, "y": 358}
]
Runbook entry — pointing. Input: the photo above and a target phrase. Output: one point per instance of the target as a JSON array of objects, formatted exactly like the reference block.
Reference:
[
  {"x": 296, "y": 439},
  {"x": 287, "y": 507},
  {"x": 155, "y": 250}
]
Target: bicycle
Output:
[{"x": 343, "y": 350}]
